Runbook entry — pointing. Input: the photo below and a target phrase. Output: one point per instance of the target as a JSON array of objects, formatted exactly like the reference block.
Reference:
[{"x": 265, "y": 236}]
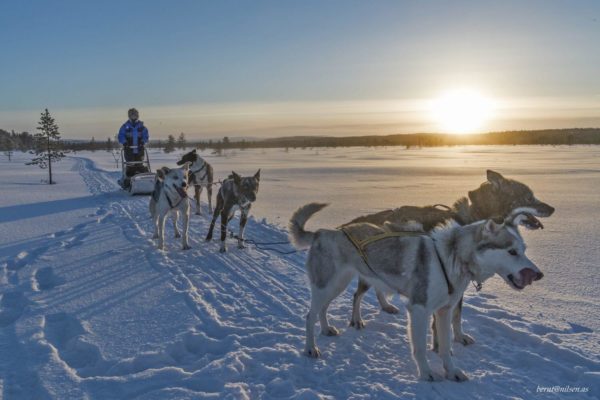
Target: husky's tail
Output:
[{"x": 300, "y": 238}]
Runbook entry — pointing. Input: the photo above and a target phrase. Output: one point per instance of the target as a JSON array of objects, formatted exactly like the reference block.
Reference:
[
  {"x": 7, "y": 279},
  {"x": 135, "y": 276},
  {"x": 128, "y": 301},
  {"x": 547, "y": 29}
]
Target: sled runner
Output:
[{"x": 136, "y": 177}]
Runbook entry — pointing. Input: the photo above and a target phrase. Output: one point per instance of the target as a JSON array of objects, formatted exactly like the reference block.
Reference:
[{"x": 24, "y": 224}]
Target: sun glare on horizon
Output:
[{"x": 461, "y": 111}]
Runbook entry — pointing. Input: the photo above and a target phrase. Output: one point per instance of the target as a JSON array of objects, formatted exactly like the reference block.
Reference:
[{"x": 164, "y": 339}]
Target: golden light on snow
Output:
[{"x": 461, "y": 111}]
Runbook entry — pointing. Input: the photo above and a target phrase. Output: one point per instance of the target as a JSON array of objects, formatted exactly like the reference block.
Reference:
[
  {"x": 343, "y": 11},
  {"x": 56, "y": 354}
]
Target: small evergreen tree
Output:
[
  {"x": 170, "y": 145},
  {"x": 47, "y": 144},
  {"x": 181, "y": 142},
  {"x": 93, "y": 144},
  {"x": 9, "y": 147},
  {"x": 109, "y": 145}
]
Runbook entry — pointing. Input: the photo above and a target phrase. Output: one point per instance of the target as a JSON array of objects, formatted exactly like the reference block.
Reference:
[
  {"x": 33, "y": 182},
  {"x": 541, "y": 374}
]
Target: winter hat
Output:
[{"x": 133, "y": 114}]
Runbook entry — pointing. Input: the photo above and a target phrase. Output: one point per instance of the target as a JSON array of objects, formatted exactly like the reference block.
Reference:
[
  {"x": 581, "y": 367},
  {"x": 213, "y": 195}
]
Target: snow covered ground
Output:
[{"x": 89, "y": 309}]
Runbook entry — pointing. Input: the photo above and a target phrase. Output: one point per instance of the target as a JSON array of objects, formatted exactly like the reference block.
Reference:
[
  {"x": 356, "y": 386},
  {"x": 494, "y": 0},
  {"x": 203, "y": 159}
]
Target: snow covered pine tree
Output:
[{"x": 47, "y": 144}]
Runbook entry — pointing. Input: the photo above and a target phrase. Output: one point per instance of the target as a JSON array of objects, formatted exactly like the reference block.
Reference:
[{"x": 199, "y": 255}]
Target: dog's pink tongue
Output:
[{"x": 527, "y": 276}]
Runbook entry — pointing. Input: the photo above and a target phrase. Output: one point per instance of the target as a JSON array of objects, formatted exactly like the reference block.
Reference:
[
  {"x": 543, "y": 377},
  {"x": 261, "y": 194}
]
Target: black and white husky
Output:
[
  {"x": 200, "y": 175},
  {"x": 432, "y": 271},
  {"x": 170, "y": 197},
  {"x": 498, "y": 197},
  {"x": 235, "y": 192}
]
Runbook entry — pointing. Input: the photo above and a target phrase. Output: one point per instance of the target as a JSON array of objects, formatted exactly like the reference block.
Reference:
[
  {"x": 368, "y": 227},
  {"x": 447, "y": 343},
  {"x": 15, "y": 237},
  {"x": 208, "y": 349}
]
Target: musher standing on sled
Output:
[{"x": 133, "y": 135}]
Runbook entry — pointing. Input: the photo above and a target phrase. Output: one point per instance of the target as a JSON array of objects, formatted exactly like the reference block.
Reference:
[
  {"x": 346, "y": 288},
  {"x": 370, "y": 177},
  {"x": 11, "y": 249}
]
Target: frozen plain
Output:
[{"x": 90, "y": 309}]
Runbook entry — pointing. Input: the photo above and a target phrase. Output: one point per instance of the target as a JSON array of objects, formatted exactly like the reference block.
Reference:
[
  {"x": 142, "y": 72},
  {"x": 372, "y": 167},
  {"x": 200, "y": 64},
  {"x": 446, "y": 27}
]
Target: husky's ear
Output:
[
  {"x": 494, "y": 178},
  {"x": 161, "y": 173},
  {"x": 491, "y": 227},
  {"x": 236, "y": 178},
  {"x": 257, "y": 175},
  {"x": 194, "y": 151}
]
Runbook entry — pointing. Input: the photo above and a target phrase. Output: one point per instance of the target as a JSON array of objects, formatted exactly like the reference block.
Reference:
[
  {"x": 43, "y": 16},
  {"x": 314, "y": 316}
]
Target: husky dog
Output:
[
  {"x": 499, "y": 197},
  {"x": 432, "y": 271},
  {"x": 200, "y": 175},
  {"x": 170, "y": 197},
  {"x": 235, "y": 192}
]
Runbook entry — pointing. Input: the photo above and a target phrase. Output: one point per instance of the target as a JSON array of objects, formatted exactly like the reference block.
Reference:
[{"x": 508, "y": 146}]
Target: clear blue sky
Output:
[{"x": 210, "y": 58}]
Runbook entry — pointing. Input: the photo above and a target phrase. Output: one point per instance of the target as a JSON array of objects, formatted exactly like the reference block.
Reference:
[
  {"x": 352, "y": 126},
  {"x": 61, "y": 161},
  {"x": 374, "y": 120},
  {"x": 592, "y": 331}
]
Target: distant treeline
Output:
[
  {"x": 23, "y": 141},
  {"x": 538, "y": 137}
]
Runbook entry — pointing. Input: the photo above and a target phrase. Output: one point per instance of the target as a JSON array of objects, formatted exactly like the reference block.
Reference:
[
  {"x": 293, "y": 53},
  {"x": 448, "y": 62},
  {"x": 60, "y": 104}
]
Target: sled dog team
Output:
[
  {"x": 170, "y": 197},
  {"x": 428, "y": 254}
]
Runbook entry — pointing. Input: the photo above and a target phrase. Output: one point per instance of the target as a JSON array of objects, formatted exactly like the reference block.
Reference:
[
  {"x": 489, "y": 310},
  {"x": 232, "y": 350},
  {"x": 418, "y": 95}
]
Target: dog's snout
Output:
[
  {"x": 539, "y": 276},
  {"x": 546, "y": 209},
  {"x": 184, "y": 184}
]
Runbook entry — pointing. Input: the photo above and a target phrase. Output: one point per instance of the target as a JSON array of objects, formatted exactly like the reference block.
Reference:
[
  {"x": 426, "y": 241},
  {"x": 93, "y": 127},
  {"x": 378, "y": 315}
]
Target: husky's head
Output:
[
  {"x": 247, "y": 187},
  {"x": 192, "y": 157},
  {"x": 500, "y": 249},
  {"x": 505, "y": 198},
  {"x": 174, "y": 179}
]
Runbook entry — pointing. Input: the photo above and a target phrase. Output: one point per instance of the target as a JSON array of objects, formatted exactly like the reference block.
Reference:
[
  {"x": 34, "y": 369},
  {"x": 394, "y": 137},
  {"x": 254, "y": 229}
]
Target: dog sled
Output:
[{"x": 136, "y": 177}]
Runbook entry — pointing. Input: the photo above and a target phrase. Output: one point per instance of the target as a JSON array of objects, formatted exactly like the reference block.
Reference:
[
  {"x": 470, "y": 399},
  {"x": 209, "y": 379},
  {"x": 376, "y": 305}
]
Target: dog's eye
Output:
[{"x": 512, "y": 252}]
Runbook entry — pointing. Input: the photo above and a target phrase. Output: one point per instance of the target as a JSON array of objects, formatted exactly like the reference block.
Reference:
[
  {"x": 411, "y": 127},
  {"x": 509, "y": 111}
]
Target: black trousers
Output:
[{"x": 131, "y": 156}]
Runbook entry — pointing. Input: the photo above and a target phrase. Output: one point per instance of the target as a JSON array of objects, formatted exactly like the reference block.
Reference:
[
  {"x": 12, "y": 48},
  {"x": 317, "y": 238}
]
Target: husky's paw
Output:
[
  {"x": 360, "y": 324},
  {"x": 330, "y": 331},
  {"x": 161, "y": 247},
  {"x": 456, "y": 375},
  {"x": 155, "y": 236},
  {"x": 223, "y": 249},
  {"x": 198, "y": 212},
  {"x": 430, "y": 376},
  {"x": 177, "y": 235},
  {"x": 464, "y": 339},
  {"x": 313, "y": 352},
  {"x": 390, "y": 309},
  {"x": 185, "y": 247},
  {"x": 241, "y": 245}
]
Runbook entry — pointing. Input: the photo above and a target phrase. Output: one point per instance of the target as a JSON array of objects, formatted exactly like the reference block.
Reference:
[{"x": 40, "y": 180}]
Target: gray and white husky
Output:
[
  {"x": 236, "y": 192},
  {"x": 201, "y": 175},
  {"x": 170, "y": 197},
  {"x": 432, "y": 271},
  {"x": 498, "y": 197}
]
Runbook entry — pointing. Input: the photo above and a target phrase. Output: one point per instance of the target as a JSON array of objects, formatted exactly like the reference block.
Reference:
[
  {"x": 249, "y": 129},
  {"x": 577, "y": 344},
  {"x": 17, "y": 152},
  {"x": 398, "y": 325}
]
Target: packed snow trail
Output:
[{"x": 96, "y": 311}]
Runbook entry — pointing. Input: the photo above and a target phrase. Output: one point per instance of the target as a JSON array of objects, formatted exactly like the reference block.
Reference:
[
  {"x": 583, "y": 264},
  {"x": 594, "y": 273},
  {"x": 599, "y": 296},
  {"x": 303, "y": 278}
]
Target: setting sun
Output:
[{"x": 461, "y": 111}]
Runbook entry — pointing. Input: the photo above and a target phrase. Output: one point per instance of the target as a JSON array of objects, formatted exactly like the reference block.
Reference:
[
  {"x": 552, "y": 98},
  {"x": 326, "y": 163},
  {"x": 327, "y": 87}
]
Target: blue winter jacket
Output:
[{"x": 133, "y": 134}]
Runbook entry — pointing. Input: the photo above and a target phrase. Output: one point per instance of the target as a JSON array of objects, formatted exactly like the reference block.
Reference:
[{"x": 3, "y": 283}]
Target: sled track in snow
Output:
[{"x": 241, "y": 302}]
